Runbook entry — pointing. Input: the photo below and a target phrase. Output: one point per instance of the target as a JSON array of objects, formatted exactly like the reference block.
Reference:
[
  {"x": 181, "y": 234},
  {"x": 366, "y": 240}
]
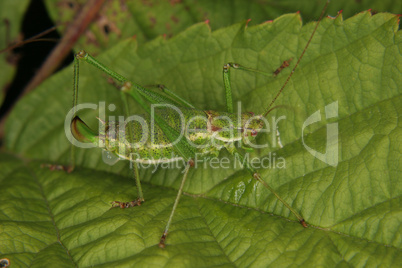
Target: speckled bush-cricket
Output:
[{"x": 173, "y": 130}]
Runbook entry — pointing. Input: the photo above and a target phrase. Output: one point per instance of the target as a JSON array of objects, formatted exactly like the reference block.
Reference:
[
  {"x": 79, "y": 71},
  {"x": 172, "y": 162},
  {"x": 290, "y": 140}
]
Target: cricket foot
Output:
[{"x": 134, "y": 203}]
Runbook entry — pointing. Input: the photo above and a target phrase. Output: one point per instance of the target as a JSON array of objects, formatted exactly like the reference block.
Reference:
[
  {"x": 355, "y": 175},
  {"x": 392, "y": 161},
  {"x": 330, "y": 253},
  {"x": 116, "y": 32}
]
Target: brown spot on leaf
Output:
[
  {"x": 174, "y": 19},
  {"x": 68, "y": 4},
  {"x": 174, "y": 2},
  {"x": 152, "y": 20},
  {"x": 108, "y": 26},
  {"x": 123, "y": 6},
  {"x": 91, "y": 38},
  {"x": 215, "y": 128},
  {"x": 147, "y": 3}
]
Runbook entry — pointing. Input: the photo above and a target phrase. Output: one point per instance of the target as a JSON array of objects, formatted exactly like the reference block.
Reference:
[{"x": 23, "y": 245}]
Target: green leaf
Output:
[{"x": 225, "y": 217}]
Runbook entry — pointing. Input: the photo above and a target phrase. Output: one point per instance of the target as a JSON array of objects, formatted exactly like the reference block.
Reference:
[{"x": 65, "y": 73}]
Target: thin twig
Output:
[{"x": 74, "y": 31}]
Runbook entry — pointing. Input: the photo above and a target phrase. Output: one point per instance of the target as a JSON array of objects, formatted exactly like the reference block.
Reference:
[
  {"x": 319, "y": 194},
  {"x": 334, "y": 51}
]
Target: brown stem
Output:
[{"x": 75, "y": 29}]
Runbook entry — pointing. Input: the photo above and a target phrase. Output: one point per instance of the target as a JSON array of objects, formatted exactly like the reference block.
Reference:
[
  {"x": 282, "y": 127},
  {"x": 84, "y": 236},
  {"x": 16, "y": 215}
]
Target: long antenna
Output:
[
  {"x": 267, "y": 110},
  {"x": 35, "y": 38}
]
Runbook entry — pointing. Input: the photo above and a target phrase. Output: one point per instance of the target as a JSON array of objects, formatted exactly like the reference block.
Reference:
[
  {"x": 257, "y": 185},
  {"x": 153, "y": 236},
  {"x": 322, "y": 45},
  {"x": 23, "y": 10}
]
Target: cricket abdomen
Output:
[{"x": 142, "y": 140}]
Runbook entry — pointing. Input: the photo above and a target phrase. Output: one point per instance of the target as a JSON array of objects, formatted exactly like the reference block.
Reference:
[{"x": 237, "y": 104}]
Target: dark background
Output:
[{"x": 31, "y": 55}]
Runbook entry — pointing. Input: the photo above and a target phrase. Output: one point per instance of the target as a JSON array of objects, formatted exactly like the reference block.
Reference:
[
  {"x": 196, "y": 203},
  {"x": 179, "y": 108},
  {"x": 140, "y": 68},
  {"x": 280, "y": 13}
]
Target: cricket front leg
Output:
[
  {"x": 227, "y": 84},
  {"x": 134, "y": 203},
  {"x": 53, "y": 167}
]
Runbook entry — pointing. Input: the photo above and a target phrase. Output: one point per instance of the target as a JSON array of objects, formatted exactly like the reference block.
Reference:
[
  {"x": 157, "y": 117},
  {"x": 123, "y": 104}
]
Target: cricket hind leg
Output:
[
  {"x": 257, "y": 176},
  {"x": 84, "y": 56},
  {"x": 173, "y": 95},
  {"x": 179, "y": 100},
  {"x": 140, "y": 196},
  {"x": 176, "y": 202}
]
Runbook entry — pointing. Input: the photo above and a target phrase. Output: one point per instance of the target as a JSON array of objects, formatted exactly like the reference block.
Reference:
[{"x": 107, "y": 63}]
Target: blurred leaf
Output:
[
  {"x": 148, "y": 19},
  {"x": 224, "y": 218},
  {"x": 11, "y": 15}
]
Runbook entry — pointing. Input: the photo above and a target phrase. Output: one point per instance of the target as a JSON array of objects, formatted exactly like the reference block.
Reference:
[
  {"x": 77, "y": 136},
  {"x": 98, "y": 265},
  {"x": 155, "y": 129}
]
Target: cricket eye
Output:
[{"x": 254, "y": 133}]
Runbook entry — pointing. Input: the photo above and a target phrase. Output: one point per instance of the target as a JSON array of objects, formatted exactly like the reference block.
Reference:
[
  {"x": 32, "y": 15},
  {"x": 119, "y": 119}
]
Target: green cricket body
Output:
[{"x": 208, "y": 131}]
